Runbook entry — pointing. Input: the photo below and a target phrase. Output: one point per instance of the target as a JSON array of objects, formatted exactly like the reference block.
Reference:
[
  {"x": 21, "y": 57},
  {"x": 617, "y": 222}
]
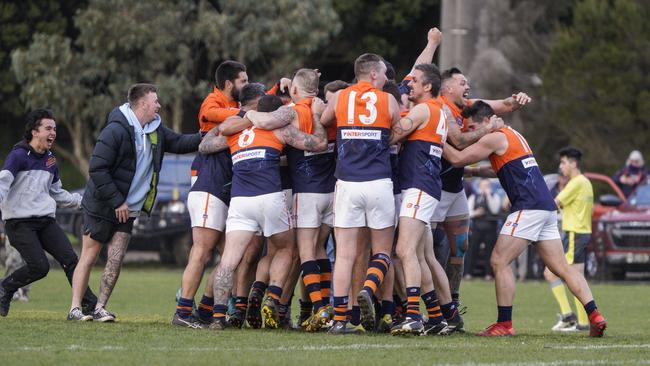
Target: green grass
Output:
[{"x": 36, "y": 333}]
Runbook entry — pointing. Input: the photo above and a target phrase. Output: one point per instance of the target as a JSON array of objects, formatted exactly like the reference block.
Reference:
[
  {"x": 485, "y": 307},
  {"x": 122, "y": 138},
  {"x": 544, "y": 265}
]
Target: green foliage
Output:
[
  {"x": 394, "y": 29},
  {"x": 167, "y": 43},
  {"x": 597, "y": 82}
]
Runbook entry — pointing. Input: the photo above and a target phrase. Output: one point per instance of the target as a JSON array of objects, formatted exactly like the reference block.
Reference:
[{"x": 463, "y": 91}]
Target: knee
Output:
[
  {"x": 39, "y": 269},
  {"x": 497, "y": 262},
  {"x": 405, "y": 252}
]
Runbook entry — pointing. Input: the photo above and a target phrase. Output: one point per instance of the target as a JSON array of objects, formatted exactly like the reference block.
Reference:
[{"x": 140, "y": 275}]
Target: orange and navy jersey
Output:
[
  {"x": 214, "y": 175},
  {"x": 311, "y": 172},
  {"x": 452, "y": 178},
  {"x": 216, "y": 107},
  {"x": 520, "y": 175},
  {"x": 420, "y": 160},
  {"x": 363, "y": 122},
  {"x": 255, "y": 162}
]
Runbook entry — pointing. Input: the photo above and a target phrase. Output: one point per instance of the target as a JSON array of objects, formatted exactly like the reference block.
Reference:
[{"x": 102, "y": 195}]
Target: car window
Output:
[
  {"x": 176, "y": 170},
  {"x": 641, "y": 197}
]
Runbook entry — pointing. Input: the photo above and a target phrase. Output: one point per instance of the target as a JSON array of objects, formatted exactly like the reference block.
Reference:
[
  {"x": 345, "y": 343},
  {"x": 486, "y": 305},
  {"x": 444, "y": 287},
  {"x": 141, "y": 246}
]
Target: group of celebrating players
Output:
[{"x": 381, "y": 163}]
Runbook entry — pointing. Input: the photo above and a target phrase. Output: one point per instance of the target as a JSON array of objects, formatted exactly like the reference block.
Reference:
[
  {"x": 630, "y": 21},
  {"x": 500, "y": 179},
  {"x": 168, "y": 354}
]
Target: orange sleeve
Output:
[
  {"x": 213, "y": 112},
  {"x": 274, "y": 89}
]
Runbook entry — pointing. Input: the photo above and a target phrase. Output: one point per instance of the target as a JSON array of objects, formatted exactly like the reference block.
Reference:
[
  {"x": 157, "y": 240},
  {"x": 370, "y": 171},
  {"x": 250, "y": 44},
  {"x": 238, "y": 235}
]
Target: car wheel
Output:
[
  {"x": 166, "y": 252},
  {"x": 591, "y": 265},
  {"x": 182, "y": 247}
]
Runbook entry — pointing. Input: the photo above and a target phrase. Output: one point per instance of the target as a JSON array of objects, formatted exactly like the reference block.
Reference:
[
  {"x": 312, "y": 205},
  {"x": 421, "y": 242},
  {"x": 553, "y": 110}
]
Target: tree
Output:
[
  {"x": 167, "y": 43},
  {"x": 20, "y": 20},
  {"x": 597, "y": 81}
]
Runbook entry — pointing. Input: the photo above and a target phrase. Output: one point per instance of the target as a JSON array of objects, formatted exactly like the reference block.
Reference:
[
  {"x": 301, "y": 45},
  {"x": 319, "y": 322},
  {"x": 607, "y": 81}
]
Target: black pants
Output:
[
  {"x": 32, "y": 238},
  {"x": 483, "y": 231}
]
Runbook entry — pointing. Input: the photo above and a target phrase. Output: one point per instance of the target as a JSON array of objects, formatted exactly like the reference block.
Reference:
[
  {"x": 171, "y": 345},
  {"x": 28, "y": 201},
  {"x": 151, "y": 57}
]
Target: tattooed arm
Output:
[
  {"x": 213, "y": 142},
  {"x": 272, "y": 120},
  {"x": 400, "y": 130},
  {"x": 317, "y": 141},
  {"x": 461, "y": 140}
]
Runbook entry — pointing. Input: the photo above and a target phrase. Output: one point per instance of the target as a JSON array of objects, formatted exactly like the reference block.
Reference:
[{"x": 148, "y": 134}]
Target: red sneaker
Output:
[
  {"x": 597, "y": 324},
  {"x": 497, "y": 330}
]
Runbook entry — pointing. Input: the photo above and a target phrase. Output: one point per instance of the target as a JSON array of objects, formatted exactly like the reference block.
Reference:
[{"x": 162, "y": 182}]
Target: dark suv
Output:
[
  {"x": 621, "y": 237},
  {"x": 167, "y": 230}
]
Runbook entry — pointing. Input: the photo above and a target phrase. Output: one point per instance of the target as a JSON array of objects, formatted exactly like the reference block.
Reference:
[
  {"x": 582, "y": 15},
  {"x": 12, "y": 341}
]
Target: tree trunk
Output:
[{"x": 177, "y": 114}]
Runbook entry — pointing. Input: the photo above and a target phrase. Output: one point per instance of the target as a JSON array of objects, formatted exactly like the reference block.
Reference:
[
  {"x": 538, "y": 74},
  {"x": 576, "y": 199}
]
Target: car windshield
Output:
[
  {"x": 641, "y": 197},
  {"x": 176, "y": 170}
]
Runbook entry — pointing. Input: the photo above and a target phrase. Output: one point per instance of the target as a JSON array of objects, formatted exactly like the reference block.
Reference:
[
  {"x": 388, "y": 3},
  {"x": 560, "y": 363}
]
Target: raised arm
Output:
[
  {"x": 509, "y": 104},
  {"x": 460, "y": 139},
  {"x": 434, "y": 37},
  {"x": 272, "y": 120},
  {"x": 483, "y": 171},
  {"x": 409, "y": 123},
  {"x": 213, "y": 142},
  {"x": 474, "y": 153}
]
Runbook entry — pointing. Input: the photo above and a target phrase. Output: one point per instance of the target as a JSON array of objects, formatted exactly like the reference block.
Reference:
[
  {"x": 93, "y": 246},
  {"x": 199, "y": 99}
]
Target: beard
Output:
[{"x": 235, "y": 94}]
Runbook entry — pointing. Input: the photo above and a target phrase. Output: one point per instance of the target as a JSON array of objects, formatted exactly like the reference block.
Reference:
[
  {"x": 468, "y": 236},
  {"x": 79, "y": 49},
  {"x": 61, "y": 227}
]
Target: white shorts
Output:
[
  {"x": 533, "y": 225},
  {"x": 311, "y": 210},
  {"x": 451, "y": 205},
  {"x": 417, "y": 204},
  {"x": 398, "y": 204},
  {"x": 359, "y": 204},
  {"x": 267, "y": 214},
  {"x": 288, "y": 195},
  {"x": 206, "y": 211}
]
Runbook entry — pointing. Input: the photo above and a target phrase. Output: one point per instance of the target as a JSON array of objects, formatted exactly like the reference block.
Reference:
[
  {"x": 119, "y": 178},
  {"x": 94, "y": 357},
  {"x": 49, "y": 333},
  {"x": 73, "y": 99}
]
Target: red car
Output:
[{"x": 621, "y": 234}]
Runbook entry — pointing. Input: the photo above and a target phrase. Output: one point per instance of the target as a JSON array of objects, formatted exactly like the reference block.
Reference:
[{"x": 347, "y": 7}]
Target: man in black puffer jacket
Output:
[{"x": 123, "y": 171}]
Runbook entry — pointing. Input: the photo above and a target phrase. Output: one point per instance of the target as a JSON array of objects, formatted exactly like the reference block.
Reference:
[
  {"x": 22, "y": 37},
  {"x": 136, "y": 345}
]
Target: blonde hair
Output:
[{"x": 307, "y": 81}]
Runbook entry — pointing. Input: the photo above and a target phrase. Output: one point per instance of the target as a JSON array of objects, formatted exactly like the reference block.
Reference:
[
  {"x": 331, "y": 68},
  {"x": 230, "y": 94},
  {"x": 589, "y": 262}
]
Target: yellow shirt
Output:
[{"x": 577, "y": 201}]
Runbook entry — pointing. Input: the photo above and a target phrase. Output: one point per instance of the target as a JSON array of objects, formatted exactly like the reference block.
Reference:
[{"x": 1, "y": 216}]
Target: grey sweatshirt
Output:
[{"x": 30, "y": 185}]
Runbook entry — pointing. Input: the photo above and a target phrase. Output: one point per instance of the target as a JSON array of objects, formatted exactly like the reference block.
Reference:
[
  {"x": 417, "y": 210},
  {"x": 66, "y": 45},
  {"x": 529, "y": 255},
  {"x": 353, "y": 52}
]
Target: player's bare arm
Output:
[
  {"x": 483, "y": 171},
  {"x": 317, "y": 141},
  {"x": 509, "y": 104},
  {"x": 329, "y": 115},
  {"x": 461, "y": 139},
  {"x": 213, "y": 142},
  {"x": 272, "y": 120},
  {"x": 434, "y": 37},
  {"x": 416, "y": 117},
  {"x": 481, "y": 150},
  {"x": 233, "y": 125}
]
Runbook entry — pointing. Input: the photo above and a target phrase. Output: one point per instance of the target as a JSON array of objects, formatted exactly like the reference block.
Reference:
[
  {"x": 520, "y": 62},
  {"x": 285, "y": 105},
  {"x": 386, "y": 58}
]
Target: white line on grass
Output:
[
  {"x": 555, "y": 363},
  {"x": 601, "y": 346}
]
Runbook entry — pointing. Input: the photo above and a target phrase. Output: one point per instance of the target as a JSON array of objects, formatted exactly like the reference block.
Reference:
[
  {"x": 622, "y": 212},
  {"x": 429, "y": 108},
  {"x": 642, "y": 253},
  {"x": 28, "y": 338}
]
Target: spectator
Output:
[
  {"x": 632, "y": 174},
  {"x": 123, "y": 174},
  {"x": 30, "y": 191},
  {"x": 483, "y": 205}
]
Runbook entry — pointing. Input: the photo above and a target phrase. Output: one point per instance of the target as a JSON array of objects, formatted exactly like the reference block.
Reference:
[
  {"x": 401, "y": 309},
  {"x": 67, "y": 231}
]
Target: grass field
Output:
[{"x": 36, "y": 333}]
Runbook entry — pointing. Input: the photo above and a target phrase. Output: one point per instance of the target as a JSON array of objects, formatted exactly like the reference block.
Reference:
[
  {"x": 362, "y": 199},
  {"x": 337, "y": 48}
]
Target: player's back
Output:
[
  {"x": 520, "y": 175},
  {"x": 256, "y": 162},
  {"x": 311, "y": 172},
  {"x": 363, "y": 122}
]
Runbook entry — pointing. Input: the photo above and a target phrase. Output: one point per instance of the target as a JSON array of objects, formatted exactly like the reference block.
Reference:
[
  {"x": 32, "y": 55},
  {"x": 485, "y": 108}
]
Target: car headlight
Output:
[{"x": 175, "y": 207}]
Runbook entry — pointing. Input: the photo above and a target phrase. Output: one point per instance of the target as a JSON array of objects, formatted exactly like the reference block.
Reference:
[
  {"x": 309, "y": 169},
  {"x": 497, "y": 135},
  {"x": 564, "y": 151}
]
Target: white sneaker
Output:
[{"x": 565, "y": 323}]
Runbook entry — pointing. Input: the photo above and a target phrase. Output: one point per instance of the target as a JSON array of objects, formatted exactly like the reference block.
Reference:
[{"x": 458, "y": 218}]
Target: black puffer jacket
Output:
[{"x": 112, "y": 164}]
